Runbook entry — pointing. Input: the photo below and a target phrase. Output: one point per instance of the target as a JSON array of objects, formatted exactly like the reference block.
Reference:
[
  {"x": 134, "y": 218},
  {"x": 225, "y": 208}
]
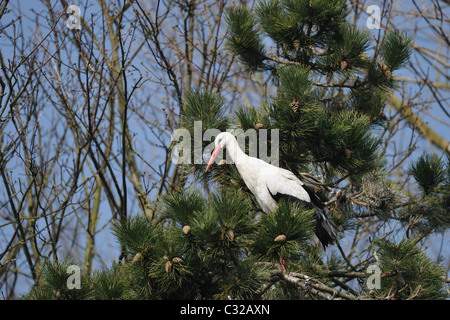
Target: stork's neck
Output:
[
  {"x": 246, "y": 165},
  {"x": 236, "y": 154}
]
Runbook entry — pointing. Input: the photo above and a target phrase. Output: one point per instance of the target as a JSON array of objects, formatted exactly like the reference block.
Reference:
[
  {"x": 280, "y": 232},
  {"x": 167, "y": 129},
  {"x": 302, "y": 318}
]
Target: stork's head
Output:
[{"x": 222, "y": 140}]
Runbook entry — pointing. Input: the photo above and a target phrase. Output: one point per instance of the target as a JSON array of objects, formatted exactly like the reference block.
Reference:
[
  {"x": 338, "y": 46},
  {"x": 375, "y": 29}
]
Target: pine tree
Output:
[{"x": 216, "y": 243}]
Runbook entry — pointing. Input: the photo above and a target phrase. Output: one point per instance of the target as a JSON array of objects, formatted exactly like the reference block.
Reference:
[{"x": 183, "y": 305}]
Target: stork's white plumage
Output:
[{"x": 269, "y": 184}]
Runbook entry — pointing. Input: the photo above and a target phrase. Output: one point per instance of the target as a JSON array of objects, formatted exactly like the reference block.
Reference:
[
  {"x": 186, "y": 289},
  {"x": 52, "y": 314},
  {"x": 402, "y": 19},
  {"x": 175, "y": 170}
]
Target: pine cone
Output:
[
  {"x": 230, "y": 235},
  {"x": 136, "y": 258},
  {"x": 280, "y": 239},
  {"x": 168, "y": 266},
  {"x": 177, "y": 260},
  {"x": 186, "y": 229},
  {"x": 258, "y": 126},
  {"x": 348, "y": 153},
  {"x": 388, "y": 75},
  {"x": 386, "y": 70},
  {"x": 294, "y": 105}
]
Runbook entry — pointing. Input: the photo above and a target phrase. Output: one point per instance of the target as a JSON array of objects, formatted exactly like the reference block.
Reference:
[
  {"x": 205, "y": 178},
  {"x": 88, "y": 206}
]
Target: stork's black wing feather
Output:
[{"x": 314, "y": 198}]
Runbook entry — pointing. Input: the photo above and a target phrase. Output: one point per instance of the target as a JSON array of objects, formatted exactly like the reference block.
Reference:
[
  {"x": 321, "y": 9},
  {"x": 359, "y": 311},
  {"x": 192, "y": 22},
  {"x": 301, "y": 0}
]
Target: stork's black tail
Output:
[{"x": 325, "y": 228}]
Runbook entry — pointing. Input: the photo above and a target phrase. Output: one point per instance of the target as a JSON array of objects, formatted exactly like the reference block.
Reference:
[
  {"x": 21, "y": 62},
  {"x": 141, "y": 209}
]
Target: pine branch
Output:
[
  {"x": 346, "y": 274},
  {"x": 311, "y": 285}
]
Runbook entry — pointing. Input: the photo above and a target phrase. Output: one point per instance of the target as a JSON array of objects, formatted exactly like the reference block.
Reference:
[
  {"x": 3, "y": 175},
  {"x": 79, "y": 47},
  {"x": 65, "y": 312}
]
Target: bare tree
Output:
[{"x": 87, "y": 114}]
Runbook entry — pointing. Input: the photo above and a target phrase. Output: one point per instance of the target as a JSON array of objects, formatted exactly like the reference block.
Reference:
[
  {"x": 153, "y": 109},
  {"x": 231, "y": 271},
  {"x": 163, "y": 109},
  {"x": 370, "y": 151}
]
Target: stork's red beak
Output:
[{"x": 213, "y": 157}]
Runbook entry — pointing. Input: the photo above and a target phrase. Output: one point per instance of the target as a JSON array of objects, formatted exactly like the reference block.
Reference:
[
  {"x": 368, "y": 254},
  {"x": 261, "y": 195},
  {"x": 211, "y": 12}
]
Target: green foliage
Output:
[
  {"x": 198, "y": 249},
  {"x": 202, "y": 110},
  {"x": 55, "y": 285},
  {"x": 136, "y": 235},
  {"x": 244, "y": 282},
  {"x": 283, "y": 232},
  {"x": 369, "y": 102},
  {"x": 294, "y": 84},
  {"x": 429, "y": 172},
  {"x": 110, "y": 284},
  {"x": 344, "y": 141},
  {"x": 180, "y": 205},
  {"x": 346, "y": 50},
  {"x": 204, "y": 106},
  {"x": 224, "y": 229},
  {"x": 431, "y": 213},
  {"x": 244, "y": 38},
  {"x": 395, "y": 50},
  {"x": 274, "y": 22},
  {"x": 232, "y": 211},
  {"x": 327, "y": 124},
  {"x": 407, "y": 273},
  {"x": 296, "y": 26}
]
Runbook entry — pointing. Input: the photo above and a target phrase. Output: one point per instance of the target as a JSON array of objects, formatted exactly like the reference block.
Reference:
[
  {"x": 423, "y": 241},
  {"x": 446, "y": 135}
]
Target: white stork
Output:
[{"x": 269, "y": 184}]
